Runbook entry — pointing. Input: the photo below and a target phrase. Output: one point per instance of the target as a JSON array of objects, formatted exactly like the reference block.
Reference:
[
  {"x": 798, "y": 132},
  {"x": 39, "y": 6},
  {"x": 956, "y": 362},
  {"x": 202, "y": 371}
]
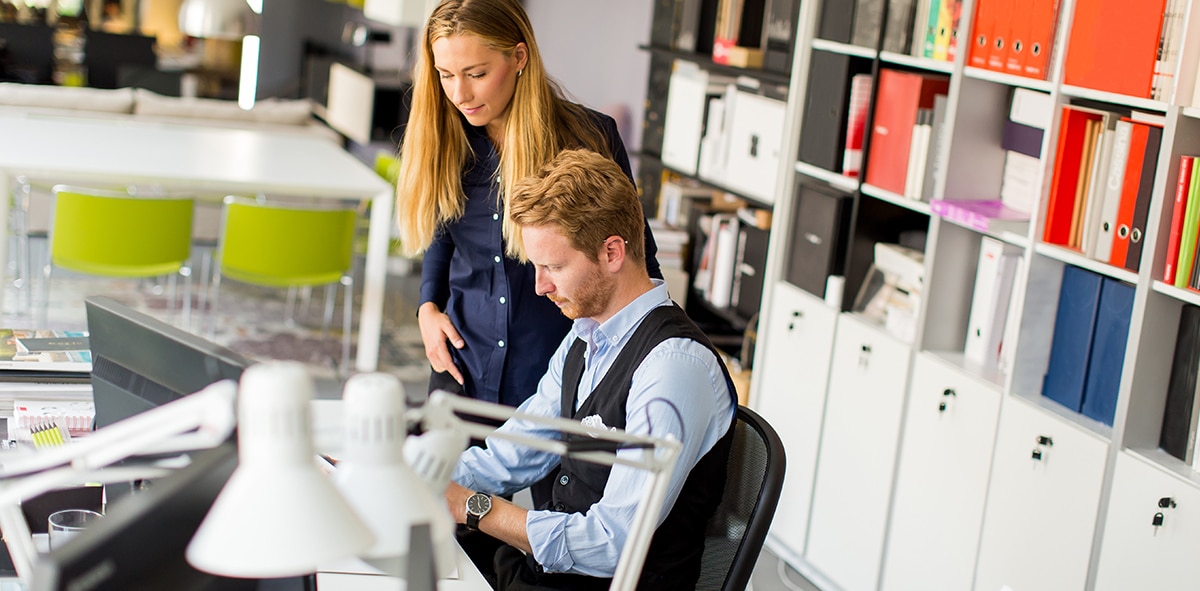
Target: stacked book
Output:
[
  {"x": 1102, "y": 181},
  {"x": 1180, "y": 268}
]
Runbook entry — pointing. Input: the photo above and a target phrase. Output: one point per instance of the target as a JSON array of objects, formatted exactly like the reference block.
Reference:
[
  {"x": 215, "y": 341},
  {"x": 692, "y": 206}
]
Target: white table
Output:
[
  {"x": 203, "y": 160},
  {"x": 467, "y": 578}
]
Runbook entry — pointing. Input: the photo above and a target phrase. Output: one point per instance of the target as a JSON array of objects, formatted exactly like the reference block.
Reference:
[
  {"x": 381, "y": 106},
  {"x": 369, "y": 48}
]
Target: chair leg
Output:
[
  {"x": 290, "y": 310},
  {"x": 213, "y": 308},
  {"x": 327, "y": 317},
  {"x": 46, "y": 272},
  {"x": 186, "y": 271},
  {"x": 347, "y": 318},
  {"x": 171, "y": 295}
]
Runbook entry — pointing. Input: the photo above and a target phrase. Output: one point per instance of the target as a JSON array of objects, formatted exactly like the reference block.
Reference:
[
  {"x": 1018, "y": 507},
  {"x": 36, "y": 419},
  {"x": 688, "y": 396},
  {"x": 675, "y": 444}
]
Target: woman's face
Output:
[{"x": 480, "y": 81}]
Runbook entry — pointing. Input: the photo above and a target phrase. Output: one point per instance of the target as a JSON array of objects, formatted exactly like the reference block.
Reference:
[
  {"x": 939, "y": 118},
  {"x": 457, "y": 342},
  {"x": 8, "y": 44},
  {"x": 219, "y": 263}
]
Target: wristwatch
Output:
[{"x": 478, "y": 505}]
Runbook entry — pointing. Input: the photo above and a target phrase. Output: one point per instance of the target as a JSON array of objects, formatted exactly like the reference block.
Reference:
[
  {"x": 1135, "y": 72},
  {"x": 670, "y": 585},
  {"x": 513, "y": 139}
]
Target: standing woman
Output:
[{"x": 484, "y": 115}]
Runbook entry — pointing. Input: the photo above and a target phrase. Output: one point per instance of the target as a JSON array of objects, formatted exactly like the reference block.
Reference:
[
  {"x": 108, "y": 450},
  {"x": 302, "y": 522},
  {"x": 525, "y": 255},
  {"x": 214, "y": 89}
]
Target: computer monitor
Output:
[{"x": 140, "y": 362}]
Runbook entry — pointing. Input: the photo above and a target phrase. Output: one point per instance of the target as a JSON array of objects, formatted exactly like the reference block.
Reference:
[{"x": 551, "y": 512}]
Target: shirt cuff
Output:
[{"x": 547, "y": 538}]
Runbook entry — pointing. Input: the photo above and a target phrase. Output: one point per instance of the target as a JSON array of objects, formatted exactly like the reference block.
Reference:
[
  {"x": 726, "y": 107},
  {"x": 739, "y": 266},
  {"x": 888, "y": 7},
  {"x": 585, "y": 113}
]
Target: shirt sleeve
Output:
[
  {"x": 680, "y": 391},
  {"x": 435, "y": 270},
  {"x": 504, "y": 467}
]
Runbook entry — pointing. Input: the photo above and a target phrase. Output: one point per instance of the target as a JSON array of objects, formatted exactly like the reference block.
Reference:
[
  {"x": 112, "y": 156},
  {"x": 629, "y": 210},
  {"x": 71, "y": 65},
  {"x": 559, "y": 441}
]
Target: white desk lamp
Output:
[
  {"x": 279, "y": 514},
  {"x": 385, "y": 491},
  {"x": 202, "y": 420}
]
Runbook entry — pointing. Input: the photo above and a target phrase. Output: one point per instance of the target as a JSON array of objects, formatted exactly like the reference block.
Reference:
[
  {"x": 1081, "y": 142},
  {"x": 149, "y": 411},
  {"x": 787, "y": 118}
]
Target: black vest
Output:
[{"x": 673, "y": 561}]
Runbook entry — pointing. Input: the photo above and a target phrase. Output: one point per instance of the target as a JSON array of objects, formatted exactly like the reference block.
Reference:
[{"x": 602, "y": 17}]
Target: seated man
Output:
[{"x": 633, "y": 360}]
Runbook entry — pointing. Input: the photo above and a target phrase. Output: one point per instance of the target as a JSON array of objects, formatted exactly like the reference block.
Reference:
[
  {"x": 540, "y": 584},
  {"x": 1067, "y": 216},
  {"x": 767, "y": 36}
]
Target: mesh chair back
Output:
[
  {"x": 737, "y": 530},
  {"x": 284, "y": 245},
  {"x": 119, "y": 235}
]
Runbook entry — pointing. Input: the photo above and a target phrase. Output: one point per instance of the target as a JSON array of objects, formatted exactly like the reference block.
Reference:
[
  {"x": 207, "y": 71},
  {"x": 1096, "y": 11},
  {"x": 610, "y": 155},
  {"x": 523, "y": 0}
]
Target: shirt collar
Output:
[{"x": 625, "y": 320}]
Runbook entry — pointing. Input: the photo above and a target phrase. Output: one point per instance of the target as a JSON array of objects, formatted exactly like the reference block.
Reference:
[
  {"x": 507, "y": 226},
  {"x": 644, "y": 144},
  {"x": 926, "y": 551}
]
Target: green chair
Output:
[
  {"x": 114, "y": 234},
  {"x": 288, "y": 245}
]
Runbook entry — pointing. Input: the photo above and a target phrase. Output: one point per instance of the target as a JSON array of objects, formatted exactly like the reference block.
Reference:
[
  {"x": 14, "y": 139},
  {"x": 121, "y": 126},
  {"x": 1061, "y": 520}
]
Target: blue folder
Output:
[
  {"x": 1108, "y": 351},
  {"x": 1071, "y": 347}
]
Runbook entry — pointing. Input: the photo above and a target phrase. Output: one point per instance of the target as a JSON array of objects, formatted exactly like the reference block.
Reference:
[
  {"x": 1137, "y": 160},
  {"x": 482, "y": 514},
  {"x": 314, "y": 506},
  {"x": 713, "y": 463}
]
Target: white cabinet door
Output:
[
  {"x": 795, "y": 370},
  {"x": 941, "y": 479},
  {"x": 1136, "y": 554},
  {"x": 1041, "y": 511},
  {"x": 867, "y": 383}
]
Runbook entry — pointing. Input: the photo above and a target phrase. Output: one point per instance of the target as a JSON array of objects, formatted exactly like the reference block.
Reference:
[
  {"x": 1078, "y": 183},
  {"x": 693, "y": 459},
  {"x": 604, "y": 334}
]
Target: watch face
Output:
[{"x": 479, "y": 504}]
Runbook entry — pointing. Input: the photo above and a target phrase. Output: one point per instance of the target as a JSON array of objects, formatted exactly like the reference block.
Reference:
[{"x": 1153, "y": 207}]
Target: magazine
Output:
[{"x": 55, "y": 351}]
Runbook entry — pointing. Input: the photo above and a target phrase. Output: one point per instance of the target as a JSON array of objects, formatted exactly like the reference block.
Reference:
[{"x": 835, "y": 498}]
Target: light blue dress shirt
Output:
[{"x": 678, "y": 390}]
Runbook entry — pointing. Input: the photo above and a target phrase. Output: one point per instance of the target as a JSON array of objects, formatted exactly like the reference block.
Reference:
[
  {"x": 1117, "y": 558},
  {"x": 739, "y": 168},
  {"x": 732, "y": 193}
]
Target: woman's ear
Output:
[{"x": 521, "y": 54}]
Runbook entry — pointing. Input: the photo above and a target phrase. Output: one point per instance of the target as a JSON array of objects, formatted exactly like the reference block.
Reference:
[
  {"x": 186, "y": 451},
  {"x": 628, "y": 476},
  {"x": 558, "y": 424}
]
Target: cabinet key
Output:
[
  {"x": 1037, "y": 454},
  {"x": 1157, "y": 521}
]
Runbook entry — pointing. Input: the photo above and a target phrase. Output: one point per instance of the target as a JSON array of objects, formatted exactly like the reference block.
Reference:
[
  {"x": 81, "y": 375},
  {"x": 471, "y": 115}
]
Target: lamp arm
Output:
[
  {"x": 658, "y": 458},
  {"x": 201, "y": 420}
]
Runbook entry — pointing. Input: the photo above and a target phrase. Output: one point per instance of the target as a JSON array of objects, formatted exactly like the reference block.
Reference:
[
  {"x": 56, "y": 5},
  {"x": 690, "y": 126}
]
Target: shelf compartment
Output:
[
  {"x": 705, "y": 61},
  {"x": 836, "y": 180},
  {"x": 844, "y": 48},
  {"x": 756, "y": 202},
  {"x": 895, "y": 199},
  {"x": 1007, "y": 79},
  {"x": 912, "y": 61},
  {"x": 956, "y": 359},
  {"x": 1184, "y": 295},
  {"x": 1073, "y": 257},
  {"x": 1166, "y": 462},
  {"x": 1116, "y": 99}
]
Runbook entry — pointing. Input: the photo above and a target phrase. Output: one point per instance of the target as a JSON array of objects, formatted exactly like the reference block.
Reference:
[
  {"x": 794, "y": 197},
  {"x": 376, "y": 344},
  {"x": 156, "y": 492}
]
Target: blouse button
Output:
[
  {"x": 500, "y": 343},
  {"x": 503, "y": 299},
  {"x": 495, "y": 216},
  {"x": 564, "y": 479},
  {"x": 496, "y": 258}
]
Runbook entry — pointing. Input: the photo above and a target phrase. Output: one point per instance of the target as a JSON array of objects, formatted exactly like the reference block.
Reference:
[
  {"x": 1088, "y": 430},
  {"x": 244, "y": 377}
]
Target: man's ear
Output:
[{"x": 612, "y": 254}]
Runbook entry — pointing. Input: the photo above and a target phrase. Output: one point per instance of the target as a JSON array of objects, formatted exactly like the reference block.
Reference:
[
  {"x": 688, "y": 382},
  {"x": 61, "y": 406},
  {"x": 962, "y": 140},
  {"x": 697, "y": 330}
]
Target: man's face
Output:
[{"x": 572, "y": 280}]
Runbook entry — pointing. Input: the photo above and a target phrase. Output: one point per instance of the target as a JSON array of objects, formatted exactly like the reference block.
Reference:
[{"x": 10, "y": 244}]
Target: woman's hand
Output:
[{"x": 436, "y": 329}]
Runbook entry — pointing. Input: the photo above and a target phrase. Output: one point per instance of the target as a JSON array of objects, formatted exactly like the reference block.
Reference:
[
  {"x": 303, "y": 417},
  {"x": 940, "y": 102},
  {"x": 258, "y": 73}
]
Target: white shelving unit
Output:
[{"x": 894, "y": 483}]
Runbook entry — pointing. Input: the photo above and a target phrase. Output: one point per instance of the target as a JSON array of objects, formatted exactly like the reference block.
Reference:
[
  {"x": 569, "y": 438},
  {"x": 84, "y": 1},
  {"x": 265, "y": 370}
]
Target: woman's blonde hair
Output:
[{"x": 540, "y": 123}]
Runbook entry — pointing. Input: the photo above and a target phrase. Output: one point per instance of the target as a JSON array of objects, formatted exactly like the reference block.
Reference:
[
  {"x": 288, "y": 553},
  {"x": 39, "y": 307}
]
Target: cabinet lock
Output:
[{"x": 1166, "y": 503}]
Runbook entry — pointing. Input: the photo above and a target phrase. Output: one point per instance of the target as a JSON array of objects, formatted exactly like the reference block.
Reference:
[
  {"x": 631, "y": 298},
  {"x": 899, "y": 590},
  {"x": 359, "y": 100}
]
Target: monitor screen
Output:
[{"x": 140, "y": 362}]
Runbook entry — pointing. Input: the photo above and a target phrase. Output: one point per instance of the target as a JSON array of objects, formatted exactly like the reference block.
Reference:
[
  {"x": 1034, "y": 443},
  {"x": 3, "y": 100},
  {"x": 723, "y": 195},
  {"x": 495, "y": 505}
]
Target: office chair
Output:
[
  {"x": 736, "y": 532},
  {"x": 288, "y": 245},
  {"x": 116, "y": 234}
]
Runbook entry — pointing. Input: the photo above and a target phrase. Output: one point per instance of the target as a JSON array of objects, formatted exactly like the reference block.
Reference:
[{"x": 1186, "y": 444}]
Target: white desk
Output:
[
  {"x": 203, "y": 160},
  {"x": 468, "y": 578}
]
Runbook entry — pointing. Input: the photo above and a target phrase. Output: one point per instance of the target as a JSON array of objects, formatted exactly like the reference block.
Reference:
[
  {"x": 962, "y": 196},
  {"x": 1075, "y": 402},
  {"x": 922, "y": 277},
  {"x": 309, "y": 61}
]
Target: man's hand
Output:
[
  {"x": 436, "y": 329},
  {"x": 456, "y": 499}
]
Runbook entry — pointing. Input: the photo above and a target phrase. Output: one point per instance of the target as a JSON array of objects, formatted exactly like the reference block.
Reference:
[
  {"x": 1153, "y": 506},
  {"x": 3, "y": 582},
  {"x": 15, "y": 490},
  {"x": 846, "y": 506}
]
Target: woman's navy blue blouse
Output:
[{"x": 510, "y": 332}]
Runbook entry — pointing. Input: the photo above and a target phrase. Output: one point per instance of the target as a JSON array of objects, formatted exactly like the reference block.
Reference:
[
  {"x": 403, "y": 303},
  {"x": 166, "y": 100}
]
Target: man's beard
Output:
[{"x": 590, "y": 299}]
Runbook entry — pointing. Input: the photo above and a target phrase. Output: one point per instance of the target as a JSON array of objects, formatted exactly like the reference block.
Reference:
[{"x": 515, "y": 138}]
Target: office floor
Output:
[{"x": 252, "y": 321}]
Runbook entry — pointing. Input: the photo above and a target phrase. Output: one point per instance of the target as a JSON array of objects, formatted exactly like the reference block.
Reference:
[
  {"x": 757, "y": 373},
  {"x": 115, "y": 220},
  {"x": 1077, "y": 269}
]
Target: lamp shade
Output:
[
  {"x": 215, "y": 19},
  {"x": 279, "y": 515},
  {"x": 373, "y": 476}
]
